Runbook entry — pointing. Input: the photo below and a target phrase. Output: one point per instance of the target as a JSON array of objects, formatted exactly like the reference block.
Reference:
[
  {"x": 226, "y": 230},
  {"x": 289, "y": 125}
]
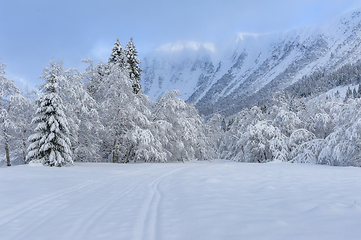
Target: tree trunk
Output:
[
  {"x": 7, "y": 152},
  {"x": 24, "y": 146},
  {"x": 6, "y": 144},
  {"x": 130, "y": 150},
  {"x": 115, "y": 155}
]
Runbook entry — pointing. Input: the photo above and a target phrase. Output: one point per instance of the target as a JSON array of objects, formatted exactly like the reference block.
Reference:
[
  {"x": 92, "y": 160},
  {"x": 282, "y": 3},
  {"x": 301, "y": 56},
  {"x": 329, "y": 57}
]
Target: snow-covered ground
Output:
[{"x": 194, "y": 200}]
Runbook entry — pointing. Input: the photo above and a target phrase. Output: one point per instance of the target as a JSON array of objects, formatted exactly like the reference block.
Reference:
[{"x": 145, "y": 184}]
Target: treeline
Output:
[
  {"x": 99, "y": 115},
  {"x": 320, "y": 131},
  {"x": 323, "y": 80}
]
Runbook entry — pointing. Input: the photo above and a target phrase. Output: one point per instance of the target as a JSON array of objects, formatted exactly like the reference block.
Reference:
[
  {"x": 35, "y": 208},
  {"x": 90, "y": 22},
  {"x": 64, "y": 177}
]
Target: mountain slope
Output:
[{"x": 249, "y": 68}]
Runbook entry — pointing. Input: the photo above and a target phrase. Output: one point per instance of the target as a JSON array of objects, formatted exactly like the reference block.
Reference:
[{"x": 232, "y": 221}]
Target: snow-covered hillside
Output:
[
  {"x": 193, "y": 200},
  {"x": 248, "y": 68}
]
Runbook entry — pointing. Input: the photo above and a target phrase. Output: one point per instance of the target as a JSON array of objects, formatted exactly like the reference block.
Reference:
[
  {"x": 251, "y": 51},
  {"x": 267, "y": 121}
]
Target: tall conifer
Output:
[
  {"x": 50, "y": 144},
  {"x": 132, "y": 64}
]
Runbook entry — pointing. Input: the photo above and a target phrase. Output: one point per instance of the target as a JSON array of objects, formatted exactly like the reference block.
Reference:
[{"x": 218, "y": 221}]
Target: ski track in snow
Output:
[
  {"x": 90, "y": 220},
  {"x": 63, "y": 204},
  {"x": 195, "y": 200},
  {"x": 18, "y": 211},
  {"x": 146, "y": 227},
  {"x": 83, "y": 225}
]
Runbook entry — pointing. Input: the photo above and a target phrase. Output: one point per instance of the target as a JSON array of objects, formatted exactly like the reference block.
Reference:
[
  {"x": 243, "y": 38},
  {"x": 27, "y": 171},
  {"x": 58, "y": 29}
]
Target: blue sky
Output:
[{"x": 35, "y": 31}]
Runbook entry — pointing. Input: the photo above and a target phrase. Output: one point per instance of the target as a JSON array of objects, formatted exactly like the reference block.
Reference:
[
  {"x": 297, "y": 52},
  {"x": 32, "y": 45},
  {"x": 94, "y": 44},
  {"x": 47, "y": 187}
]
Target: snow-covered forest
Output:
[{"x": 102, "y": 115}]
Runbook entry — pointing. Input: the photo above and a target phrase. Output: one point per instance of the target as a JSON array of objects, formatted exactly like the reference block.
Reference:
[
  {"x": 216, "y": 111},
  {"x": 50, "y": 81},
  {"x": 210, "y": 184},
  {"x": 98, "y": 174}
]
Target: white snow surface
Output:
[{"x": 193, "y": 200}]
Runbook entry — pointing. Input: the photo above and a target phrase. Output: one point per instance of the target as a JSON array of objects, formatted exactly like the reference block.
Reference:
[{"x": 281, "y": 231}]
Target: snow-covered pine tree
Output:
[
  {"x": 117, "y": 55},
  {"x": 229, "y": 124},
  {"x": 132, "y": 64},
  {"x": 348, "y": 94},
  {"x": 7, "y": 89},
  {"x": 223, "y": 125},
  {"x": 354, "y": 93},
  {"x": 50, "y": 144}
]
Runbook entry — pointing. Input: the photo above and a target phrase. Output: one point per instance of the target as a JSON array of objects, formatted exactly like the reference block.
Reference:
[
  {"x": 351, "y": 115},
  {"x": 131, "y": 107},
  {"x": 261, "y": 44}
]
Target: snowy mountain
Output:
[{"x": 249, "y": 68}]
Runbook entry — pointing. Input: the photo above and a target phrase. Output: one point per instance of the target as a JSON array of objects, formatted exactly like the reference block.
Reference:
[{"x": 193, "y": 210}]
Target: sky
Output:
[{"x": 34, "y": 32}]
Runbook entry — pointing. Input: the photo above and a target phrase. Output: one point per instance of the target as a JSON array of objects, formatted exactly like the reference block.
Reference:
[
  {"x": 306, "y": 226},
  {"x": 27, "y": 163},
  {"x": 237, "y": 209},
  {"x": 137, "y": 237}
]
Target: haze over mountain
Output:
[{"x": 247, "y": 69}]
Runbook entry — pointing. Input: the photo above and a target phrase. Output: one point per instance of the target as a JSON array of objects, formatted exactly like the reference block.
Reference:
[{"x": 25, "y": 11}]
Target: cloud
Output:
[
  {"x": 241, "y": 36},
  {"x": 190, "y": 45},
  {"x": 19, "y": 81},
  {"x": 101, "y": 51}
]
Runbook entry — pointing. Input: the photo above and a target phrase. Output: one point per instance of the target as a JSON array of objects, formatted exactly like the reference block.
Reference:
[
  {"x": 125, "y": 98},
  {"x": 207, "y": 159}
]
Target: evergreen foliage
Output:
[
  {"x": 223, "y": 125},
  {"x": 323, "y": 80},
  {"x": 50, "y": 145},
  {"x": 132, "y": 63},
  {"x": 117, "y": 54}
]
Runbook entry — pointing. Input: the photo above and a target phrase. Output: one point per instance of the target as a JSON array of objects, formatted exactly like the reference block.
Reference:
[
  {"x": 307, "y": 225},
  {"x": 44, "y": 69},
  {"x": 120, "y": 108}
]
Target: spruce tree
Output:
[
  {"x": 223, "y": 125},
  {"x": 348, "y": 94},
  {"x": 132, "y": 64},
  {"x": 50, "y": 144},
  {"x": 230, "y": 122},
  {"x": 116, "y": 57},
  {"x": 354, "y": 93}
]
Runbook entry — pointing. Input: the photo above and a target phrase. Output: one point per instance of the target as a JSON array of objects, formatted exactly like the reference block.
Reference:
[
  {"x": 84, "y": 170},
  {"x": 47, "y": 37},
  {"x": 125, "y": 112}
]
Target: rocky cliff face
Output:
[{"x": 249, "y": 68}]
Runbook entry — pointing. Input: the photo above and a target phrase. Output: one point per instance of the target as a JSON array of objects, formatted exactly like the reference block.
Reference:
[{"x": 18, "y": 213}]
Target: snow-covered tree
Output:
[
  {"x": 50, "y": 145},
  {"x": 82, "y": 114},
  {"x": 342, "y": 147},
  {"x": 121, "y": 111},
  {"x": 348, "y": 94},
  {"x": 132, "y": 64},
  {"x": 318, "y": 118},
  {"x": 321, "y": 124},
  {"x": 354, "y": 93},
  {"x": 184, "y": 133},
  {"x": 224, "y": 125},
  {"x": 230, "y": 122},
  {"x": 214, "y": 132},
  {"x": 287, "y": 121},
  {"x": 307, "y": 152},
  {"x": 261, "y": 142},
  {"x": 7, "y": 90},
  {"x": 299, "y": 137},
  {"x": 117, "y": 55},
  {"x": 21, "y": 112},
  {"x": 93, "y": 77}
]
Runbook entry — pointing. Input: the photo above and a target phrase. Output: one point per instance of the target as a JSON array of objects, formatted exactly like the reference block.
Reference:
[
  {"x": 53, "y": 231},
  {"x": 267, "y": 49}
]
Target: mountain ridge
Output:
[{"x": 249, "y": 68}]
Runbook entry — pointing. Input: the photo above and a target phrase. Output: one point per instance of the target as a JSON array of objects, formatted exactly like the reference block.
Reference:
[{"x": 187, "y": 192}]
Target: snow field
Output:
[{"x": 194, "y": 200}]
